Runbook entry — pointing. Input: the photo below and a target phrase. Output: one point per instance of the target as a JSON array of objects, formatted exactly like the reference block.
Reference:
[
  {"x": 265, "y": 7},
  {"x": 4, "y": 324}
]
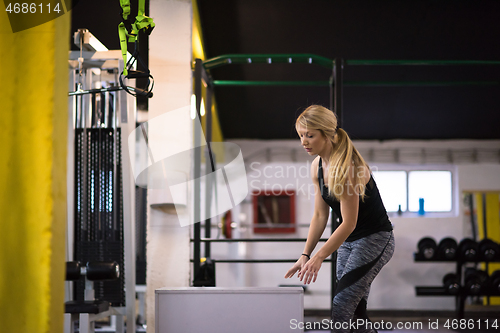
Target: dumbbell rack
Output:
[{"x": 441, "y": 291}]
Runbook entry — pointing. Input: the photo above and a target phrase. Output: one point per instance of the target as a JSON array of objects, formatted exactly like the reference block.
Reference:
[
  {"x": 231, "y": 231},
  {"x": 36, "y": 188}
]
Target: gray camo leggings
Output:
[{"x": 358, "y": 263}]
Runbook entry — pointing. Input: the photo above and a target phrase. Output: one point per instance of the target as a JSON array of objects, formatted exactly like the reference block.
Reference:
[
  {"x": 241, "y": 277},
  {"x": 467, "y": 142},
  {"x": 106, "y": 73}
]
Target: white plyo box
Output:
[{"x": 221, "y": 310}]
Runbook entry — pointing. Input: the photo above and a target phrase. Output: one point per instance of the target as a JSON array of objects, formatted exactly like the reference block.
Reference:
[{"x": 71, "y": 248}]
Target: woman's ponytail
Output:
[{"x": 344, "y": 159}]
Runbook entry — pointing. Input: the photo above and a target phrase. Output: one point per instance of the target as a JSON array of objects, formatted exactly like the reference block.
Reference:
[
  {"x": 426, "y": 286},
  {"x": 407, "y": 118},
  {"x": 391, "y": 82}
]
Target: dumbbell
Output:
[
  {"x": 468, "y": 249},
  {"x": 488, "y": 250},
  {"x": 475, "y": 281},
  {"x": 495, "y": 282},
  {"x": 427, "y": 248},
  {"x": 451, "y": 284},
  {"x": 447, "y": 249}
]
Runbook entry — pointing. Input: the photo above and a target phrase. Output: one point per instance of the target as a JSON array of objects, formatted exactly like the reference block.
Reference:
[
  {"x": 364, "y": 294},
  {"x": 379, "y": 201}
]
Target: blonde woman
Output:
[{"x": 364, "y": 239}]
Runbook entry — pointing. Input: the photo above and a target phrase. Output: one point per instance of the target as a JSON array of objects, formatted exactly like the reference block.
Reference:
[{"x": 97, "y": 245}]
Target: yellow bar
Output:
[
  {"x": 493, "y": 231},
  {"x": 199, "y": 52},
  {"x": 478, "y": 196},
  {"x": 197, "y": 42}
]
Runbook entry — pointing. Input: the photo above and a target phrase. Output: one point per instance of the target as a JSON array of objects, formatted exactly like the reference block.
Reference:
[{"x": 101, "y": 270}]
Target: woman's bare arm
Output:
[
  {"x": 349, "y": 206},
  {"x": 318, "y": 222}
]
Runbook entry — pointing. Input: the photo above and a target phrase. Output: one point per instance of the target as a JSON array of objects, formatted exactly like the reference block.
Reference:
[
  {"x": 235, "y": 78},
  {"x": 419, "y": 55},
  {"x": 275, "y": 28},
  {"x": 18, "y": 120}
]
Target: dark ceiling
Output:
[
  {"x": 351, "y": 30},
  {"x": 375, "y": 30}
]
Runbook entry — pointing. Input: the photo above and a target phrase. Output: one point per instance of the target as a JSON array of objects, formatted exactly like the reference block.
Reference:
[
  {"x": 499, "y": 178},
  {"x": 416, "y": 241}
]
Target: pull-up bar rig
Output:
[
  {"x": 201, "y": 75},
  {"x": 327, "y": 63},
  {"x": 335, "y": 83}
]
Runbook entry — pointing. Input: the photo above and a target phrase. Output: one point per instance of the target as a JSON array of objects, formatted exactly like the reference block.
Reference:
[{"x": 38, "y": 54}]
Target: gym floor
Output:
[{"x": 388, "y": 321}]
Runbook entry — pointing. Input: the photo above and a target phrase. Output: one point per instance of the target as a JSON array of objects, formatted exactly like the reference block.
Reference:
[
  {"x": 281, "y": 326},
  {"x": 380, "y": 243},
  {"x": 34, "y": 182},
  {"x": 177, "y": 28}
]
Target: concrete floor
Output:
[{"x": 388, "y": 321}]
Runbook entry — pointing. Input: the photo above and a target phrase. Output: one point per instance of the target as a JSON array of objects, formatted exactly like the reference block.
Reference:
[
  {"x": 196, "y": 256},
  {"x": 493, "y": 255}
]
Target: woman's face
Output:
[{"x": 313, "y": 141}]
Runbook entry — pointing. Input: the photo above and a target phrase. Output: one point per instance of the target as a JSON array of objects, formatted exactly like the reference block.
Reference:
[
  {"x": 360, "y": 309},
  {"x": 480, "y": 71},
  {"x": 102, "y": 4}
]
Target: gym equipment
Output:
[
  {"x": 475, "y": 281},
  {"x": 201, "y": 77},
  {"x": 226, "y": 225},
  {"x": 468, "y": 250},
  {"x": 93, "y": 271},
  {"x": 336, "y": 85},
  {"x": 488, "y": 250},
  {"x": 494, "y": 283},
  {"x": 73, "y": 270},
  {"x": 427, "y": 248},
  {"x": 100, "y": 196},
  {"x": 99, "y": 232},
  {"x": 447, "y": 249},
  {"x": 129, "y": 31},
  {"x": 102, "y": 271},
  {"x": 90, "y": 309},
  {"x": 206, "y": 274},
  {"x": 140, "y": 234},
  {"x": 134, "y": 74},
  {"x": 451, "y": 284},
  {"x": 471, "y": 282},
  {"x": 216, "y": 310}
]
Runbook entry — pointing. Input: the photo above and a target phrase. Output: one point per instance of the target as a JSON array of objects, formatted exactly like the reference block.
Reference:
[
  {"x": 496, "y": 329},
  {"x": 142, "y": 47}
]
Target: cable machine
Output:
[{"x": 101, "y": 209}]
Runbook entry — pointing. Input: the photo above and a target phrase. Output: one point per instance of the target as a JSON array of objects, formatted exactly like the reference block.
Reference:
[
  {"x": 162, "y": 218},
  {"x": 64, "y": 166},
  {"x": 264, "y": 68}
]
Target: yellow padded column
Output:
[
  {"x": 492, "y": 209},
  {"x": 493, "y": 225},
  {"x": 33, "y": 136},
  {"x": 478, "y": 197}
]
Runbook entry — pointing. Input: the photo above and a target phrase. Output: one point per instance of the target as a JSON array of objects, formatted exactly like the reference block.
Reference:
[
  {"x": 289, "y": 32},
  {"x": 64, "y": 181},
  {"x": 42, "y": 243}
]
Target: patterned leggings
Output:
[{"x": 358, "y": 263}]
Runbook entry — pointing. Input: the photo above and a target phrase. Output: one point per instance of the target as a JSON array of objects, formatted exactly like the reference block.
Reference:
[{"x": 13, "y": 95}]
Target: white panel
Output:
[
  {"x": 168, "y": 246},
  {"x": 216, "y": 310}
]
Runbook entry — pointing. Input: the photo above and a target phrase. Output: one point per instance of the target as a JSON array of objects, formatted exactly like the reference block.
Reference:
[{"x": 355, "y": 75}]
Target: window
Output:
[
  {"x": 405, "y": 188},
  {"x": 392, "y": 188},
  {"x": 432, "y": 186}
]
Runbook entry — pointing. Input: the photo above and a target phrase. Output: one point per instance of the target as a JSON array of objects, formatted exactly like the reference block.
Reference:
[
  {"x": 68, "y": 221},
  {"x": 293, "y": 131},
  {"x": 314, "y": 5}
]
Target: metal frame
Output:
[
  {"x": 200, "y": 74},
  {"x": 255, "y": 240},
  {"x": 335, "y": 83},
  {"x": 126, "y": 104}
]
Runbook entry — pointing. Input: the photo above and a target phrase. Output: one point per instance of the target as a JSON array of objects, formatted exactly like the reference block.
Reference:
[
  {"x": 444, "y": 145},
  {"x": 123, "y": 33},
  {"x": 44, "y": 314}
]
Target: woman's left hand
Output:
[{"x": 310, "y": 270}]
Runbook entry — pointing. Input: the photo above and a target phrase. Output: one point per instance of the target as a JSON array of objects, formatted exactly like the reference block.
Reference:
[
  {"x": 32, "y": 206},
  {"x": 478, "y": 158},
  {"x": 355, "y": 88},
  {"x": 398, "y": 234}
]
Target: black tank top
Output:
[{"x": 372, "y": 216}]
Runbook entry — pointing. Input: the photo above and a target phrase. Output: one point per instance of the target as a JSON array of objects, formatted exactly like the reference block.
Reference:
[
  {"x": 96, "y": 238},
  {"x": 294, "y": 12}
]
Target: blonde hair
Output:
[{"x": 344, "y": 155}]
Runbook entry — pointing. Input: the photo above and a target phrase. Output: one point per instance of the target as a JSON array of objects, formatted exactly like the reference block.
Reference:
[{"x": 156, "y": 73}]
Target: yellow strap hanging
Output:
[
  {"x": 142, "y": 8},
  {"x": 122, "y": 32},
  {"x": 125, "y": 4},
  {"x": 142, "y": 22}
]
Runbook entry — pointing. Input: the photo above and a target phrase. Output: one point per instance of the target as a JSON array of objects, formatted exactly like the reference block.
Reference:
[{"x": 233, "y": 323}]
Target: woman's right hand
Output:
[{"x": 296, "y": 267}]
